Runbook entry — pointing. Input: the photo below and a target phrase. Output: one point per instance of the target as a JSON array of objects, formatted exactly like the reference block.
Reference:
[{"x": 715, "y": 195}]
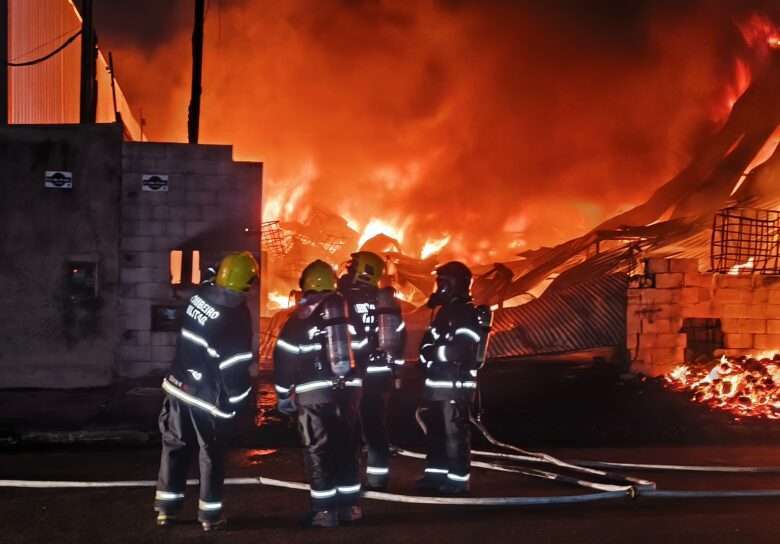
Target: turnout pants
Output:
[
  {"x": 331, "y": 435},
  {"x": 449, "y": 442},
  {"x": 184, "y": 430},
  {"x": 373, "y": 415}
]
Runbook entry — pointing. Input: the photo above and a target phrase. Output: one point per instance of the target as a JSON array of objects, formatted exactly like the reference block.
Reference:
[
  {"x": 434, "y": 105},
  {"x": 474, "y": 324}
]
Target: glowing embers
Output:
[{"x": 745, "y": 386}]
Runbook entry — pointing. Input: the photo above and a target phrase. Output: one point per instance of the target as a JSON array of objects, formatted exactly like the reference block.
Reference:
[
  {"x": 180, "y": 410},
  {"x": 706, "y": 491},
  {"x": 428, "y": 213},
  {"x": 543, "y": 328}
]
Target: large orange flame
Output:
[{"x": 405, "y": 114}]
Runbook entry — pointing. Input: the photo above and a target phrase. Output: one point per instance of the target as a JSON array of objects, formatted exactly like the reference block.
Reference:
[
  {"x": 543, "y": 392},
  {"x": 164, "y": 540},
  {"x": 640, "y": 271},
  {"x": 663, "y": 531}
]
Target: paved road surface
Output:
[{"x": 262, "y": 514}]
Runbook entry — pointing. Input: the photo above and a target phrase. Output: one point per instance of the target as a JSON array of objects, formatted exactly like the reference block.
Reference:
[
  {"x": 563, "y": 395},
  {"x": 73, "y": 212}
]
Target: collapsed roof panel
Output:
[{"x": 585, "y": 316}]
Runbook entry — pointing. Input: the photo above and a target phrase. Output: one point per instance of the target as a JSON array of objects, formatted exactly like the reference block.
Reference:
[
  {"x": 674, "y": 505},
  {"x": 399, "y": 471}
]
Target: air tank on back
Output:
[
  {"x": 336, "y": 342},
  {"x": 390, "y": 333}
]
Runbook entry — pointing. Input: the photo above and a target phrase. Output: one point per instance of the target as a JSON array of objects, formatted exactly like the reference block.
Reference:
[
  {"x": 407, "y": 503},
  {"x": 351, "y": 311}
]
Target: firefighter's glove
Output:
[{"x": 287, "y": 406}]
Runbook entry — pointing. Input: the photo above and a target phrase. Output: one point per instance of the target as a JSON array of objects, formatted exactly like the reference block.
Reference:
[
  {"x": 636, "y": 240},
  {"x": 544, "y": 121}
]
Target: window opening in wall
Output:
[
  {"x": 175, "y": 266},
  {"x": 196, "y": 267},
  {"x": 82, "y": 282},
  {"x": 704, "y": 336}
]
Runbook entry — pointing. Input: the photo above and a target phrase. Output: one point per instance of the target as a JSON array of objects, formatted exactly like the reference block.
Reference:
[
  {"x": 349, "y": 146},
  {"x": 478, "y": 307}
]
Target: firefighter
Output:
[
  {"x": 315, "y": 377},
  {"x": 378, "y": 343},
  {"x": 452, "y": 351},
  {"x": 207, "y": 384}
]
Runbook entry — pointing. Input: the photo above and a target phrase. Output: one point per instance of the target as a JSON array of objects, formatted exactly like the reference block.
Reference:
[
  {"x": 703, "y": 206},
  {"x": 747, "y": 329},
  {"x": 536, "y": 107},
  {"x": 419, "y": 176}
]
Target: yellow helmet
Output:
[
  {"x": 237, "y": 271},
  {"x": 318, "y": 276},
  {"x": 366, "y": 267}
]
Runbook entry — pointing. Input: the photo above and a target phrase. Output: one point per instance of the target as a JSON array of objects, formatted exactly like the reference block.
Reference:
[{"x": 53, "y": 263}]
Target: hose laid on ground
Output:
[
  {"x": 633, "y": 491},
  {"x": 541, "y": 458},
  {"x": 535, "y": 473},
  {"x": 638, "y": 466},
  {"x": 375, "y": 495},
  {"x": 639, "y": 483},
  {"x": 626, "y": 481},
  {"x": 393, "y": 497}
]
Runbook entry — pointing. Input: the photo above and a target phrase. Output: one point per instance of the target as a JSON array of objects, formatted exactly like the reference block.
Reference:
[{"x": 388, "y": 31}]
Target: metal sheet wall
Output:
[
  {"x": 48, "y": 92},
  {"x": 585, "y": 316}
]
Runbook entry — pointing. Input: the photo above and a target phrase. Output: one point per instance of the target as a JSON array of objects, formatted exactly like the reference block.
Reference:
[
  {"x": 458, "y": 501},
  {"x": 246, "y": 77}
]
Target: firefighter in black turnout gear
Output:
[
  {"x": 378, "y": 342},
  {"x": 207, "y": 384},
  {"x": 315, "y": 377},
  {"x": 452, "y": 351}
]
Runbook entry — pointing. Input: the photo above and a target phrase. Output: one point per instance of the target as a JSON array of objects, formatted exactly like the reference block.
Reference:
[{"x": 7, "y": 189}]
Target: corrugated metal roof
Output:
[{"x": 584, "y": 316}]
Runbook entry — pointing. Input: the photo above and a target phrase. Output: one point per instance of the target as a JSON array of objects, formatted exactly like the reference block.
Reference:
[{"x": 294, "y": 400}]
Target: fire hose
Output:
[
  {"x": 604, "y": 492},
  {"x": 376, "y": 495},
  {"x": 643, "y": 487},
  {"x": 628, "y": 484},
  {"x": 647, "y": 491},
  {"x": 621, "y": 486}
]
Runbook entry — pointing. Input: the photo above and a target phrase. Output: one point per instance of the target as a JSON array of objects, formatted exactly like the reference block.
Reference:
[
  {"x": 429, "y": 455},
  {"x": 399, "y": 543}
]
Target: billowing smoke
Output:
[{"x": 503, "y": 124}]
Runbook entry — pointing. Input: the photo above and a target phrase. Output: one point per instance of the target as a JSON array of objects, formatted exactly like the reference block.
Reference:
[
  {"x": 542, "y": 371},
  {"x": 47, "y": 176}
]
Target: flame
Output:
[
  {"x": 273, "y": 206},
  {"x": 746, "y": 386},
  {"x": 747, "y": 265},
  {"x": 740, "y": 82},
  {"x": 352, "y": 223},
  {"x": 759, "y": 31},
  {"x": 416, "y": 133},
  {"x": 381, "y": 226},
  {"x": 287, "y": 193},
  {"x": 402, "y": 296},
  {"x": 760, "y": 35},
  {"x": 279, "y": 301},
  {"x": 432, "y": 247}
]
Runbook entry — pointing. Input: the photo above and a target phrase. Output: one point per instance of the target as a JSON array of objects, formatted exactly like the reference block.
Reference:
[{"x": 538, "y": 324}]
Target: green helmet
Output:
[
  {"x": 318, "y": 276},
  {"x": 237, "y": 271},
  {"x": 366, "y": 267}
]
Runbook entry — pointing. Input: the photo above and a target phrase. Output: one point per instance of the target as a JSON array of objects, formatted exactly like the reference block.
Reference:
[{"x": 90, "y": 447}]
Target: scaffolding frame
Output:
[
  {"x": 745, "y": 241},
  {"x": 273, "y": 239}
]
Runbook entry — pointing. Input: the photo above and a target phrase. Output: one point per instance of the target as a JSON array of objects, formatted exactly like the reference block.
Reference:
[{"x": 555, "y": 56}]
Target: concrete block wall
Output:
[
  {"x": 206, "y": 190},
  {"x": 673, "y": 292},
  {"x": 49, "y": 339}
]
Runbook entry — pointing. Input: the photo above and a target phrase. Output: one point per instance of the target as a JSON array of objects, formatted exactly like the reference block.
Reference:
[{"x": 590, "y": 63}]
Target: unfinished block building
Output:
[{"x": 103, "y": 241}]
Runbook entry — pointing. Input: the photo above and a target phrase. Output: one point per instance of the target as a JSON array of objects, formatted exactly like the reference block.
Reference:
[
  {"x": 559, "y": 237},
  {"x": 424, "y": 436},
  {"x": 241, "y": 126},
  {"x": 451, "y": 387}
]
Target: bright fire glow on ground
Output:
[{"x": 745, "y": 386}]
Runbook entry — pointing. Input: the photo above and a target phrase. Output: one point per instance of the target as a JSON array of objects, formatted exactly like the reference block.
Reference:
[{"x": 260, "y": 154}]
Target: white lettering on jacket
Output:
[{"x": 201, "y": 311}]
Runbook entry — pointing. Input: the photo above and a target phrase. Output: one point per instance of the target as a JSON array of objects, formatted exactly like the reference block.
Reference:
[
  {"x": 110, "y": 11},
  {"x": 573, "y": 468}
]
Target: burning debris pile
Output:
[{"x": 745, "y": 386}]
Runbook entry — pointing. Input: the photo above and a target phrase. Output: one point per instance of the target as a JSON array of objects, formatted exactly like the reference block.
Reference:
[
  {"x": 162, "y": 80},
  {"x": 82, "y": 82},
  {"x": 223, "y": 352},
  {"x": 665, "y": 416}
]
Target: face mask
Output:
[{"x": 443, "y": 293}]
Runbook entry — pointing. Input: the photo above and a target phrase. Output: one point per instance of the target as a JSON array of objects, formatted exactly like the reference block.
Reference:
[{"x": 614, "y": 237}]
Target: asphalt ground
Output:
[
  {"x": 570, "y": 411},
  {"x": 267, "y": 514}
]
